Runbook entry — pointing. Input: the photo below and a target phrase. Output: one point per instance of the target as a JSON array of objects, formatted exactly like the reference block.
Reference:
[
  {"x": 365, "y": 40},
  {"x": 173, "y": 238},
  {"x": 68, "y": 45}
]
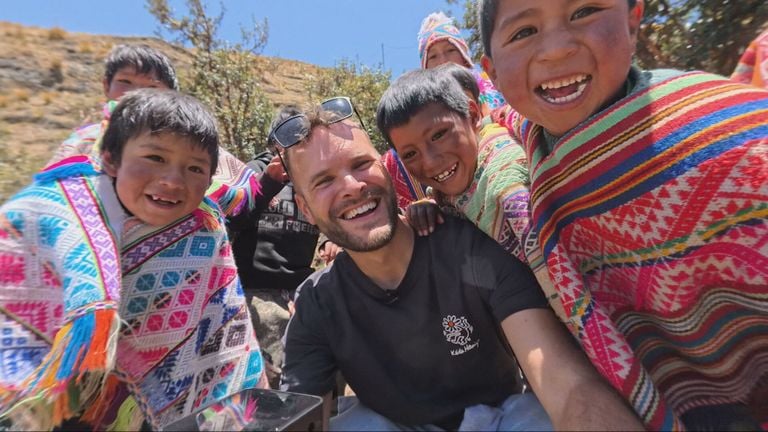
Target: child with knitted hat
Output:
[
  {"x": 439, "y": 42},
  {"x": 649, "y": 192}
]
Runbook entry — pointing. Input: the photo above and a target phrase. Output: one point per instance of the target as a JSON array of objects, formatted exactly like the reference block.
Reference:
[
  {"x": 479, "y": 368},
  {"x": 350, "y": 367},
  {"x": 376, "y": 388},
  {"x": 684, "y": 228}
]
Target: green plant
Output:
[
  {"x": 362, "y": 84},
  {"x": 225, "y": 76}
]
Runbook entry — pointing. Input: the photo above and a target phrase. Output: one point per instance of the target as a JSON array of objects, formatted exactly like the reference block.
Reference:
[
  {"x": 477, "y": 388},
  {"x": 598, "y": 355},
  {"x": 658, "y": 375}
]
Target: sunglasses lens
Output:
[
  {"x": 291, "y": 131},
  {"x": 339, "y": 106}
]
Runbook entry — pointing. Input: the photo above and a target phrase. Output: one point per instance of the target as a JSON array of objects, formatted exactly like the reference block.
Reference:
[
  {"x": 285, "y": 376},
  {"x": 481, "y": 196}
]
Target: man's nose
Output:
[{"x": 352, "y": 184}]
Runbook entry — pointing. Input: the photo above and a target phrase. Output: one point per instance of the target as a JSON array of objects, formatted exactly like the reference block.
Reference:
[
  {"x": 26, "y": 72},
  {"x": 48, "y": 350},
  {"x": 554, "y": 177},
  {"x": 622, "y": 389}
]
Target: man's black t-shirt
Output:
[{"x": 427, "y": 350}]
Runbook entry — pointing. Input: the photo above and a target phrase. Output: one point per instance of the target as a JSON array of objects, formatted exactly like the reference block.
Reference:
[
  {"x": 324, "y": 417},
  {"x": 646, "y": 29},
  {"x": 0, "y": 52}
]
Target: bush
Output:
[
  {"x": 225, "y": 76},
  {"x": 56, "y": 33}
]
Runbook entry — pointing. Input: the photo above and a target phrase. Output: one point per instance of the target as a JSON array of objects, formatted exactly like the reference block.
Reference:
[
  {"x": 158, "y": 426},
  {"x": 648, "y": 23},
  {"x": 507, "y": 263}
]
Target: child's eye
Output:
[
  {"x": 408, "y": 155},
  {"x": 583, "y": 12},
  {"x": 197, "y": 170},
  {"x": 524, "y": 33},
  {"x": 155, "y": 158},
  {"x": 439, "y": 134}
]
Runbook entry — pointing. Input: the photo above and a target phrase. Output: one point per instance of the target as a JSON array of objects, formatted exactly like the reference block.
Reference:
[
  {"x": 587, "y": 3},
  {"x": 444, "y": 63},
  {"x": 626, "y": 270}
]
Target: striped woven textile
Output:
[
  {"x": 753, "y": 64},
  {"x": 653, "y": 220},
  {"x": 407, "y": 188}
]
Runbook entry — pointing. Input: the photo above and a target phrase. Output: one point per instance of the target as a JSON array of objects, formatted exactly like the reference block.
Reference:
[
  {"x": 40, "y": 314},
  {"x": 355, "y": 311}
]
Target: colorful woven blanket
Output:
[
  {"x": 106, "y": 318},
  {"x": 653, "y": 220},
  {"x": 753, "y": 64},
  {"x": 407, "y": 188},
  {"x": 234, "y": 184}
]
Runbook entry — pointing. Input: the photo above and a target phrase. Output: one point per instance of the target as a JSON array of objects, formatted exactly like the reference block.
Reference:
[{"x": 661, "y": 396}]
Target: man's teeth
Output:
[
  {"x": 445, "y": 175},
  {"x": 360, "y": 210},
  {"x": 556, "y": 84},
  {"x": 157, "y": 198}
]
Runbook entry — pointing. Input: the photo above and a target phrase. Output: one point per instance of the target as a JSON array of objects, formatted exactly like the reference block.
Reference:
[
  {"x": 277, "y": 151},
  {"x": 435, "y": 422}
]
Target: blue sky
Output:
[{"x": 318, "y": 32}]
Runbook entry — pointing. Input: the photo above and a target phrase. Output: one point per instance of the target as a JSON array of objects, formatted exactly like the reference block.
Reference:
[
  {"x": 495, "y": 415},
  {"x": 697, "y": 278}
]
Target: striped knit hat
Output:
[{"x": 436, "y": 27}]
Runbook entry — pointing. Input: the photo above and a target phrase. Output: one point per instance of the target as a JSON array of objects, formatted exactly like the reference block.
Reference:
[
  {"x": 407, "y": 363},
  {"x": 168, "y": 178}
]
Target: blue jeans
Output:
[{"x": 520, "y": 412}]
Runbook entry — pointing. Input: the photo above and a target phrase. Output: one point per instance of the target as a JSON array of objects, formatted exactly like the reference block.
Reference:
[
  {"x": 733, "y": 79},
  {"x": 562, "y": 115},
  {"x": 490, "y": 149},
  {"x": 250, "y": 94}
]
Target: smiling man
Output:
[{"x": 421, "y": 327}]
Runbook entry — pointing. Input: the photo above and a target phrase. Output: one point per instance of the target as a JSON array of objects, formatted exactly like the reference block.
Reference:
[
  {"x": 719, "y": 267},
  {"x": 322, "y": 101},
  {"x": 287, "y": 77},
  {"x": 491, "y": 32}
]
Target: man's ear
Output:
[
  {"x": 108, "y": 164},
  {"x": 487, "y": 64},
  {"x": 303, "y": 207}
]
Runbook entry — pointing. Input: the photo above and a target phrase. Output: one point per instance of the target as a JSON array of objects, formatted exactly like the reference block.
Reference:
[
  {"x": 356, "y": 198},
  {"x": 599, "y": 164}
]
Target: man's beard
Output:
[{"x": 382, "y": 237}]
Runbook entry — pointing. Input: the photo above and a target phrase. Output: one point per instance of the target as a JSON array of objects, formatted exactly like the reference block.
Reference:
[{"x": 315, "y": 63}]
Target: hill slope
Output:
[{"x": 50, "y": 83}]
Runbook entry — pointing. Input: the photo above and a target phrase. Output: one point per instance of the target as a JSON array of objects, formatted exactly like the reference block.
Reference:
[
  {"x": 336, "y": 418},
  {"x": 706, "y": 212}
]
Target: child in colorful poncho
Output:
[
  {"x": 439, "y": 42},
  {"x": 131, "y": 67},
  {"x": 649, "y": 190},
  {"x": 429, "y": 117},
  {"x": 119, "y": 298}
]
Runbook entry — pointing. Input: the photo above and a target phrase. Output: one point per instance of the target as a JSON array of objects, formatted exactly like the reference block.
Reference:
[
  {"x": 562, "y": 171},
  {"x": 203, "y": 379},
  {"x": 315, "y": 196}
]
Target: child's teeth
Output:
[{"x": 445, "y": 174}]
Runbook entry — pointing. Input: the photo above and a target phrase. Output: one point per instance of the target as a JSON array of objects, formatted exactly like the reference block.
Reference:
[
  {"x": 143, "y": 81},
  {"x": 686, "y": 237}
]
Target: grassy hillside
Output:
[{"x": 50, "y": 83}]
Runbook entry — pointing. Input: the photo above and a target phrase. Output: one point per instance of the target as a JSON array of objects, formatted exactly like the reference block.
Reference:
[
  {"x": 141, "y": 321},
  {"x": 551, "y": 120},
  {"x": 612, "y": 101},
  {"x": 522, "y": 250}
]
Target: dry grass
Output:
[
  {"x": 43, "y": 117},
  {"x": 21, "y": 95},
  {"x": 57, "y": 33},
  {"x": 85, "y": 47}
]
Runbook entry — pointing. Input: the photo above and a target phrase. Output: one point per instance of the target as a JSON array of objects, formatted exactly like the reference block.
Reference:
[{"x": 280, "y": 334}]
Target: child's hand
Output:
[
  {"x": 276, "y": 171},
  {"x": 423, "y": 215}
]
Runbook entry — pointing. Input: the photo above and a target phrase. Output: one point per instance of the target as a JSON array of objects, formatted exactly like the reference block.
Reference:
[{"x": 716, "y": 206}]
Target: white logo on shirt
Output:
[{"x": 458, "y": 331}]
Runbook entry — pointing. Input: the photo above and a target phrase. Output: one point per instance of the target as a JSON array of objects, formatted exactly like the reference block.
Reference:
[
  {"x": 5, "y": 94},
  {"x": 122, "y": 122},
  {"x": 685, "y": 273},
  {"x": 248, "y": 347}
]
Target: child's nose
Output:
[
  {"x": 558, "y": 44},
  {"x": 431, "y": 159},
  {"x": 172, "y": 178}
]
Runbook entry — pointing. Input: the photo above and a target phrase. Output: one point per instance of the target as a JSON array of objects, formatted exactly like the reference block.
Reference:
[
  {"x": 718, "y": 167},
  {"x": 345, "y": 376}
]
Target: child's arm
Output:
[{"x": 423, "y": 215}]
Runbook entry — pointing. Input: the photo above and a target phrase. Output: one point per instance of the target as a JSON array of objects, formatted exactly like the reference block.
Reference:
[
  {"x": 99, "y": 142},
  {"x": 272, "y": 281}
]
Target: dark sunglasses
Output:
[{"x": 292, "y": 130}]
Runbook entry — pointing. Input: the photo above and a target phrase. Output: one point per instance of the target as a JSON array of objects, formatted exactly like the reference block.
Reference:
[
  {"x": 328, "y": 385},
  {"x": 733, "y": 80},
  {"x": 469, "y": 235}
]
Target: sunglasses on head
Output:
[{"x": 294, "y": 129}]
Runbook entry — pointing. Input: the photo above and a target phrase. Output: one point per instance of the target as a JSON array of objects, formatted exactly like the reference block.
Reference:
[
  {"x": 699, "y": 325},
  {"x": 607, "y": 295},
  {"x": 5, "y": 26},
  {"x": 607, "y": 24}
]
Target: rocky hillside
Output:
[{"x": 50, "y": 83}]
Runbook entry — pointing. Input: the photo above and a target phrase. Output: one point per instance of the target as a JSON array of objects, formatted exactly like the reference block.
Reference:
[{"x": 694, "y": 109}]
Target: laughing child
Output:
[
  {"x": 649, "y": 194},
  {"x": 430, "y": 119},
  {"x": 119, "y": 298}
]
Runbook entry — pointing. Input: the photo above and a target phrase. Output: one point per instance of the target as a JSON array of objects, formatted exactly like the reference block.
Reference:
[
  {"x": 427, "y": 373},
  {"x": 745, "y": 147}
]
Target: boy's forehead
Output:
[
  {"x": 170, "y": 142},
  {"x": 133, "y": 70}
]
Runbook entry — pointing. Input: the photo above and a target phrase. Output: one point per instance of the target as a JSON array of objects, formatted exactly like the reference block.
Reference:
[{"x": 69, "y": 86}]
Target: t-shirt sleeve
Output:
[
  {"x": 514, "y": 287},
  {"x": 309, "y": 363}
]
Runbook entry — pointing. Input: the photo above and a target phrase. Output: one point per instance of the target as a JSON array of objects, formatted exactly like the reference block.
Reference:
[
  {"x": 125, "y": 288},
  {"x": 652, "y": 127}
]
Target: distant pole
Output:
[{"x": 383, "y": 65}]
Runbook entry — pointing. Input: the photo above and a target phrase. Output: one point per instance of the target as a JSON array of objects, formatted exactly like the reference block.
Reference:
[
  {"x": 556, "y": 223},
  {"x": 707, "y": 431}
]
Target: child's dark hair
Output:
[
  {"x": 160, "y": 111},
  {"x": 464, "y": 77},
  {"x": 144, "y": 59},
  {"x": 486, "y": 16},
  {"x": 412, "y": 92}
]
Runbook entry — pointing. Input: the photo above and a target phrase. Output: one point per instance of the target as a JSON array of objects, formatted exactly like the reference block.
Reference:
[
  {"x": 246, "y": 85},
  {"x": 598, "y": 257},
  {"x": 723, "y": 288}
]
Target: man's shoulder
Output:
[
  {"x": 321, "y": 284},
  {"x": 455, "y": 229}
]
